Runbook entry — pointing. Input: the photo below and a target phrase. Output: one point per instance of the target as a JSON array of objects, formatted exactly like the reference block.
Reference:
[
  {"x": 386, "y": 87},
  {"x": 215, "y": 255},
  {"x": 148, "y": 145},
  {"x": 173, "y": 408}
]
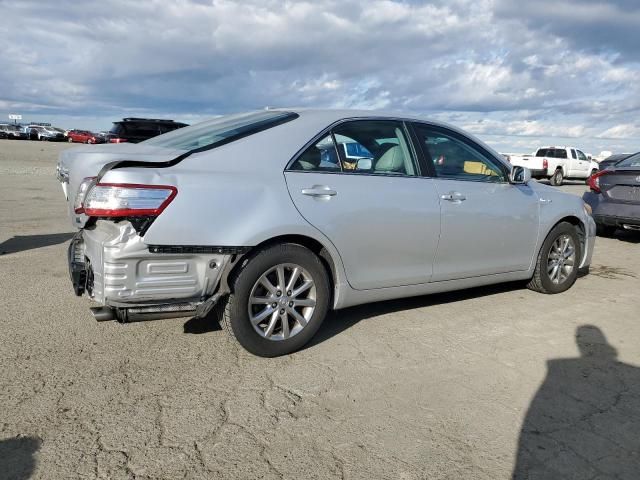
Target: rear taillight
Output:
[
  {"x": 82, "y": 192},
  {"x": 127, "y": 200},
  {"x": 545, "y": 163},
  {"x": 594, "y": 181}
]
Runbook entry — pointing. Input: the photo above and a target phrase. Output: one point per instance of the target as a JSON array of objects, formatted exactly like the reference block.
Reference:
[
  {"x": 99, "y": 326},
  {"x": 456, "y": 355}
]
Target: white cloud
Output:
[
  {"x": 461, "y": 60},
  {"x": 622, "y": 131}
]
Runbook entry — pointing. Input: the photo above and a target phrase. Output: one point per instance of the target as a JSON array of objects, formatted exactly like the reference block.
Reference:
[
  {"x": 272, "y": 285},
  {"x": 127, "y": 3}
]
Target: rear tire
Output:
[
  {"x": 557, "y": 178},
  {"x": 552, "y": 273},
  {"x": 248, "y": 313}
]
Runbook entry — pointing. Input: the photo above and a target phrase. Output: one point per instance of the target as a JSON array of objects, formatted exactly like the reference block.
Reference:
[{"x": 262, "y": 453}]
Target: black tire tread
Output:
[
  {"x": 536, "y": 284},
  {"x": 224, "y": 309}
]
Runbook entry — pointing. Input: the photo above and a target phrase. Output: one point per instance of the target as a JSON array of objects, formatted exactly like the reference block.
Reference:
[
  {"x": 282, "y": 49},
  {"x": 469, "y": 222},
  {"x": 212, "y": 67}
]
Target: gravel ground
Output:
[{"x": 464, "y": 385}]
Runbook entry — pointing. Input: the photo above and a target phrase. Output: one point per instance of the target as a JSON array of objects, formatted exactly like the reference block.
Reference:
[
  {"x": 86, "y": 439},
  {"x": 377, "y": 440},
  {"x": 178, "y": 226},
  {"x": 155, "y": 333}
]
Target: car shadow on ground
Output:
[
  {"x": 206, "y": 324},
  {"x": 17, "y": 457},
  {"x": 584, "y": 420},
  {"x": 20, "y": 243},
  {"x": 341, "y": 320},
  {"x": 628, "y": 236}
]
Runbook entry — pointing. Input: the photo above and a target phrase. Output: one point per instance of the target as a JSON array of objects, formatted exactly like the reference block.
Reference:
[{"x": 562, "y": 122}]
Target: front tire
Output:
[
  {"x": 557, "y": 178},
  {"x": 558, "y": 261},
  {"x": 279, "y": 299}
]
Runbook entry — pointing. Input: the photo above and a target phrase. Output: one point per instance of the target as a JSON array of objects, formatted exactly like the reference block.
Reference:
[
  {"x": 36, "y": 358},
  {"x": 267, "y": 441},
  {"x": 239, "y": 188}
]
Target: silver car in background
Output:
[{"x": 270, "y": 219}]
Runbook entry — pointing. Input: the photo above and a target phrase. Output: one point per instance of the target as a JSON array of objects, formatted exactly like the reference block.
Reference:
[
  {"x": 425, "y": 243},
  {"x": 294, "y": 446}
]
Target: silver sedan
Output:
[{"x": 269, "y": 219}]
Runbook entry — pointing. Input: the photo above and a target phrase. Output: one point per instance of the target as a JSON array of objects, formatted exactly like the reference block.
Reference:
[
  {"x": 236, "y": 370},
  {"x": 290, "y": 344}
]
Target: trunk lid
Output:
[
  {"x": 76, "y": 164},
  {"x": 621, "y": 186}
]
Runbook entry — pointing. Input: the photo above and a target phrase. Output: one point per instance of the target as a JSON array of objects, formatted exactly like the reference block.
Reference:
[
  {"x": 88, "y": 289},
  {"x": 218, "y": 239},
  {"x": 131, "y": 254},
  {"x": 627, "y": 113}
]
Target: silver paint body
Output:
[{"x": 387, "y": 236}]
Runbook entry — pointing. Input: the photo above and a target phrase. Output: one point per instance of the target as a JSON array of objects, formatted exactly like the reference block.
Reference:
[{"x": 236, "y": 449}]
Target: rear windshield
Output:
[
  {"x": 552, "y": 153},
  {"x": 632, "y": 161},
  {"x": 220, "y": 130}
]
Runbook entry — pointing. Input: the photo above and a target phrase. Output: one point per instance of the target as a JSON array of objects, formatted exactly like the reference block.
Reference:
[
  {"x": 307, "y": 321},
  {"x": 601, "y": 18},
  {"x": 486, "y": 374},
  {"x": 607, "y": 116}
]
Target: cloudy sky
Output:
[{"x": 516, "y": 73}]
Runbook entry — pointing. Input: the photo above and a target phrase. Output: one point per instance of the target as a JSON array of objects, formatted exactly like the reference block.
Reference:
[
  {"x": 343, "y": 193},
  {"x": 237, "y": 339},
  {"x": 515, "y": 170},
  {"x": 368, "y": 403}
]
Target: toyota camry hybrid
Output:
[{"x": 269, "y": 219}]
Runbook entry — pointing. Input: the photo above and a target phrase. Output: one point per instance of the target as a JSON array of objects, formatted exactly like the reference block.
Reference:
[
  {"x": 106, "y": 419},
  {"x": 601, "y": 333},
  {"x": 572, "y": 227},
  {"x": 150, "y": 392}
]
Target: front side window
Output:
[
  {"x": 374, "y": 147},
  {"x": 581, "y": 155},
  {"x": 455, "y": 158}
]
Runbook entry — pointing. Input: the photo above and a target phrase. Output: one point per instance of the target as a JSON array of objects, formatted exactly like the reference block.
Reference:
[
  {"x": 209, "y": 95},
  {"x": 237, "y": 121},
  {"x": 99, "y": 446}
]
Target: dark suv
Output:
[{"x": 134, "y": 130}]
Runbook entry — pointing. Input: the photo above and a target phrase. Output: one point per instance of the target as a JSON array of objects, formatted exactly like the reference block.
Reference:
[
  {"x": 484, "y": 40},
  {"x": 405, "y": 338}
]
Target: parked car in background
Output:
[
  {"x": 45, "y": 133},
  {"x": 408, "y": 207},
  {"x": 83, "y": 136},
  {"x": 615, "y": 196},
  {"x": 612, "y": 159},
  {"x": 558, "y": 164},
  {"x": 13, "y": 132},
  {"x": 134, "y": 130}
]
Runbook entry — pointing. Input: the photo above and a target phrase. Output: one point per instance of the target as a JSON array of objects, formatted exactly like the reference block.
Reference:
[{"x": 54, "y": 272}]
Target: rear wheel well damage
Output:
[{"x": 315, "y": 246}]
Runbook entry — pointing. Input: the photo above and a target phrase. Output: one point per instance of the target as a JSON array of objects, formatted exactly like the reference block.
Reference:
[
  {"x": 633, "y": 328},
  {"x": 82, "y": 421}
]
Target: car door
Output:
[
  {"x": 488, "y": 226},
  {"x": 583, "y": 170},
  {"x": 372, "y": 204}
]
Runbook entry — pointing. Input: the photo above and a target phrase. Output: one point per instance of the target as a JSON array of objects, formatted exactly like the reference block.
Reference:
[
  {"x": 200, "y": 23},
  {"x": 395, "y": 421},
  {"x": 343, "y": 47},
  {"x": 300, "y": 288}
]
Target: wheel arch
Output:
[
  {"x": 318, "y": 248},
  {"x": 580, "y": 227}
]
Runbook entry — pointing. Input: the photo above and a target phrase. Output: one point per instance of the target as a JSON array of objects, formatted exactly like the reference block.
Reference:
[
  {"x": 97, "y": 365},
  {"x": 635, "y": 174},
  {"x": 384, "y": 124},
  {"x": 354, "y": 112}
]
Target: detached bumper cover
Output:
[{"x": 115, "y": 267}]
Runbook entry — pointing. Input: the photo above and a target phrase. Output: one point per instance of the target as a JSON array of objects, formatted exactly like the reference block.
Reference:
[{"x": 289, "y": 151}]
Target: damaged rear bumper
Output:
[{"x": 117, "y": 270}]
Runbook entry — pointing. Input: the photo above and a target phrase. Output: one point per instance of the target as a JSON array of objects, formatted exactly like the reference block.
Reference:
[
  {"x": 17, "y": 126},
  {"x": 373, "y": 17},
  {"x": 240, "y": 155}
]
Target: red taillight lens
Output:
[
  {"x": 545, "y": 163},
  {"x": 127, "y": 200},
  {"x": 83, "y": 188},
  {"x": 594, "y": 181}
]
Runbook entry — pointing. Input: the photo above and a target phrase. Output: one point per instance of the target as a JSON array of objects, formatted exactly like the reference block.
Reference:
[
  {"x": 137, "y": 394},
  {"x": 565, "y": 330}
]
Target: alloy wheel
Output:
[
  {"x": 561, "y": 259},
  {"x": 282, "y": 302}
]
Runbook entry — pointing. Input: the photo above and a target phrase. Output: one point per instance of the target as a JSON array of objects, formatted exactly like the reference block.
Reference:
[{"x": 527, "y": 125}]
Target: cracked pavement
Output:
[{"x": 432, "y": 387}]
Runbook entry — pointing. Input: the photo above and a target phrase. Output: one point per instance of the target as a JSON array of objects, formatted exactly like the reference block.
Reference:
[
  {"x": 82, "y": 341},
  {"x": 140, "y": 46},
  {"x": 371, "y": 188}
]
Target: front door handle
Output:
[
  {"x": 455, "y": 197},
  {"x": 319, "y": 191}
]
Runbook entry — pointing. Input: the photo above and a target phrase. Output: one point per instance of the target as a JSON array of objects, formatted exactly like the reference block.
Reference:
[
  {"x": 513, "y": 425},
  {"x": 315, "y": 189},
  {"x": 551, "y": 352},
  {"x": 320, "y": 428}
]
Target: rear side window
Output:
[
  {"x": 320, "y": 157},
  {"x": 573, "y": 153},
  {"x": 374, "y": 147},
  {"x": 221, "y": 130}
]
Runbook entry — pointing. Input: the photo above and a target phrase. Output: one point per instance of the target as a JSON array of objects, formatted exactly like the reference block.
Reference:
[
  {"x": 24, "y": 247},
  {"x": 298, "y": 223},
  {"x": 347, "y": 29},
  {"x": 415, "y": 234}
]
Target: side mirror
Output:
[
  {"x": 364, "y": 164},
  {"x": 519, "y": 175}
]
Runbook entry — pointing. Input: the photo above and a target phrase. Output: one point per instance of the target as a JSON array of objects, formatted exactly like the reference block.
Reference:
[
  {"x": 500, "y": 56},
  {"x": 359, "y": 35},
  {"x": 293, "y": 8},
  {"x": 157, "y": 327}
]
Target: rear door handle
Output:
[
  {"x": 455, "y": 197},
  {"x": 319, "y": 191}
]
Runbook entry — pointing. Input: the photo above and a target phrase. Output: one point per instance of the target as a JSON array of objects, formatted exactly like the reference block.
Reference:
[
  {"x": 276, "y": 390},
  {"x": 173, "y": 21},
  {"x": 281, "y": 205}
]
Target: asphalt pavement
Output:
[{"x": 464, "y": 385}]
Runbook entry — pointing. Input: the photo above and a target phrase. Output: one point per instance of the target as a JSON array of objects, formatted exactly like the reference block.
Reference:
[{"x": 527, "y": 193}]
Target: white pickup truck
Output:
[{"x": 557, "y": 164}]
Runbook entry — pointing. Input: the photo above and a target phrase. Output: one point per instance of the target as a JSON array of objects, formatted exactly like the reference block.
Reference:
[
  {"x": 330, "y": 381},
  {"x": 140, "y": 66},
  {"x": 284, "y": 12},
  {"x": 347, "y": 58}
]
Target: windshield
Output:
[
  {"x": 220, "y": 130},
  {"x": 633, "y": 161}
]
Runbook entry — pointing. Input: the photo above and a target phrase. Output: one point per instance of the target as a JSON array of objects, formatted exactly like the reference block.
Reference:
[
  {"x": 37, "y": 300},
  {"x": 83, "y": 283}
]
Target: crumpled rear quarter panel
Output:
[{"x": 125, "y": 272}]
